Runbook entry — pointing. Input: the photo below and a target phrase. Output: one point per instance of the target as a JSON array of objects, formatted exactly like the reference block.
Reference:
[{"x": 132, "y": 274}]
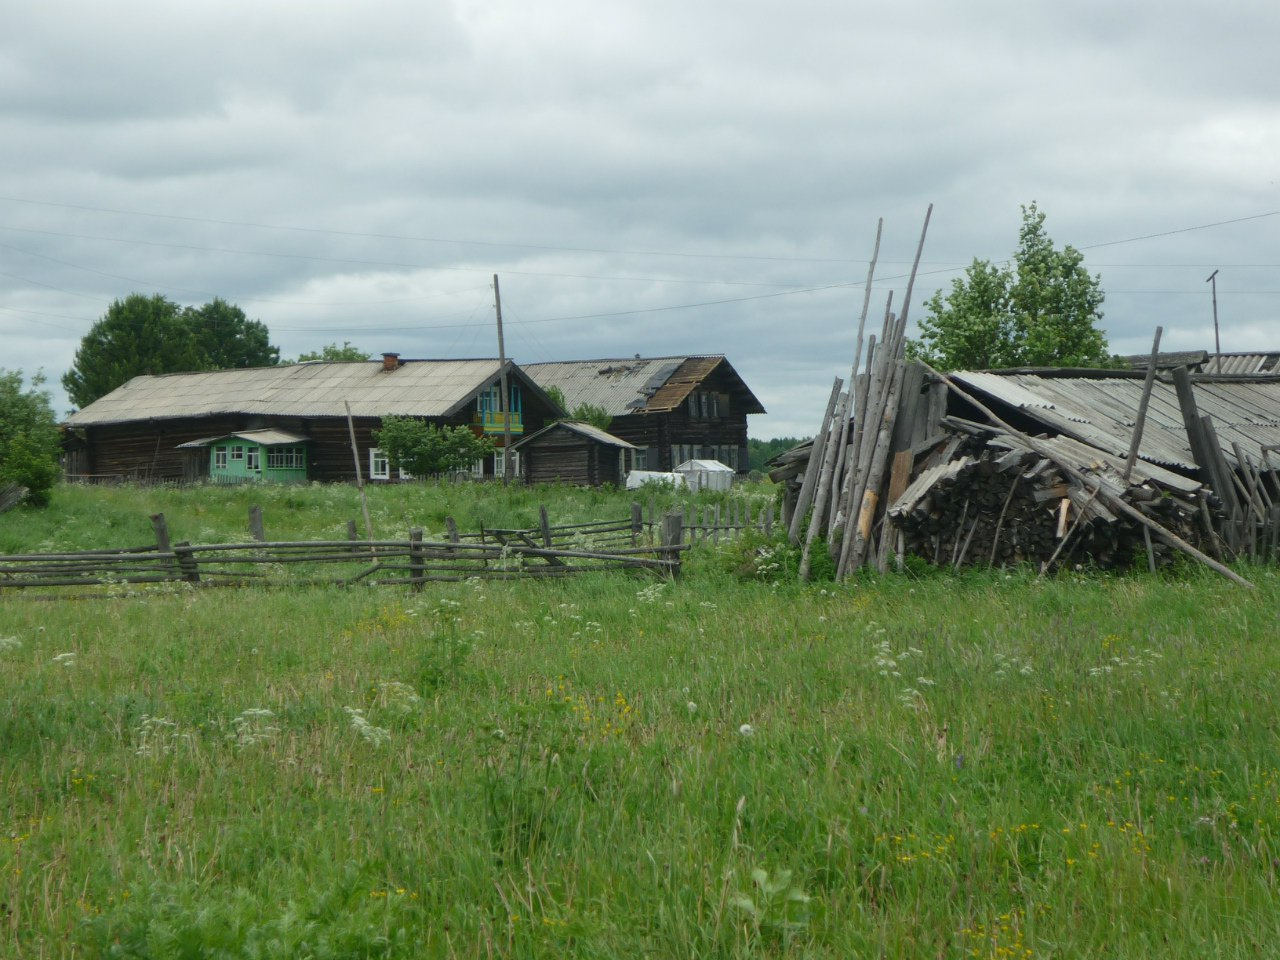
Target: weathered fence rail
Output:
[
  {"x": 714, "y": 523},
  {"x": 544, "y": 551}
]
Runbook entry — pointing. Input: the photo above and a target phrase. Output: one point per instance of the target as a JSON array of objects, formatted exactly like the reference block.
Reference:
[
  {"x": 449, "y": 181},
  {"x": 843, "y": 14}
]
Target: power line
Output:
[
  {"x": 421, "y": 239},
  {"x": 1170, "y": 233},
  {"x": 397, "y": 264}
]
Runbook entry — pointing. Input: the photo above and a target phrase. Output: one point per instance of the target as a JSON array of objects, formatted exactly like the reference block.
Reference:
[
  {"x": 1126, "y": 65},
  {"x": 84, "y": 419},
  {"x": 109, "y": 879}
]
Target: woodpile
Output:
[
  {"x": 892, "y": 475},
  {"x": 991, "y": 500}
]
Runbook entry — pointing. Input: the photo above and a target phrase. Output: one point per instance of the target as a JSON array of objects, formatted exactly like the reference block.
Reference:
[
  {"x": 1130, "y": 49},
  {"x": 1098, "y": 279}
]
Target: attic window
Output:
[{"x": 704, "y": 405}]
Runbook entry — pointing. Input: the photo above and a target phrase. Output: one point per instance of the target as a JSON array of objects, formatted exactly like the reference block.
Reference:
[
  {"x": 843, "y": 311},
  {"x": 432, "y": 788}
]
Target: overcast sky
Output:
[{"x": 651, "y": 177}]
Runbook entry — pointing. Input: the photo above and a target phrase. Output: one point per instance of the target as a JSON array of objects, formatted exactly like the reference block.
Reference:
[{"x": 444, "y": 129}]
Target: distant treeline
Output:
[{"x": 761, "y": 451}]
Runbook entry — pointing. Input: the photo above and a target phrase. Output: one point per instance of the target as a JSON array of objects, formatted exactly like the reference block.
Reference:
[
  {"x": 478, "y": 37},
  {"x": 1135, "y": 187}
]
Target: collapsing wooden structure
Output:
[{"x": 1050, "y": 467}]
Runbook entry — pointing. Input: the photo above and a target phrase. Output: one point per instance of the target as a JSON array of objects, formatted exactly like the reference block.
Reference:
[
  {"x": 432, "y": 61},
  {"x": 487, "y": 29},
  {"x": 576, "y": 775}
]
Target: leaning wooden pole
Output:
[
  {"x": 821, "y": 500},
  {"x": 1112, "y": 501},
  {"x": 815, "y": 464},
  {"x": 355, "y": 456},
  {"x": 1147, "y": 383}
]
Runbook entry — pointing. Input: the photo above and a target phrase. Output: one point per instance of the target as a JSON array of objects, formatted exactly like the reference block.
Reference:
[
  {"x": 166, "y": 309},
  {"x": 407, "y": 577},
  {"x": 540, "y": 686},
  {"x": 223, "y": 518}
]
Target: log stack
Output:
[{"x": 999, "y": 503}]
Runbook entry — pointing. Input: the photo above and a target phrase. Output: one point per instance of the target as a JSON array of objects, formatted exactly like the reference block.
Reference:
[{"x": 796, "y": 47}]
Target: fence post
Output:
[
  {"x": 768, "y": 521},
  {"x": 673, "y": 536},
  {"x": 417, "y": 567},
  {"x": 353, "y": 534},
  {"x": 187, "y": 564},
  {"x": 161, "y": 528},
  {"x": 545, "y": 524},
  {"x": 255, "y": 524},
  {"x": 637, "y": 522}
]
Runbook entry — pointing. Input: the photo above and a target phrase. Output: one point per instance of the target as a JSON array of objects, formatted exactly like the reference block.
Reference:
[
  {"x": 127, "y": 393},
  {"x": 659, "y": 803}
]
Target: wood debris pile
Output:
[{"x": 987, "y": 499}]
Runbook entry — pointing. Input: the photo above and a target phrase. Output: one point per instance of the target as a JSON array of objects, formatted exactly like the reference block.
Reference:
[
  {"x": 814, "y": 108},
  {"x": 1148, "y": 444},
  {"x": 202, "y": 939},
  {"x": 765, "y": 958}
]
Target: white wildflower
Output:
[
  {"x": 691, "y": 707},
  {"x": 252, "y": 726},
  {"x": 65, "y": 659},
  {"x": 9, "y": 643},
  {"x": 398, "y": 697},
  {"x": 375, "y": 735},
  {"x": 651, "y": 593},
  {"x": 747, "y": 730}
]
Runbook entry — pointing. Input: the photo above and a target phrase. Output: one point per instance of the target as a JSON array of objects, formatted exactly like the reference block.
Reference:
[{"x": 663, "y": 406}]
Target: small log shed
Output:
[{"x": 570, "y": 451}]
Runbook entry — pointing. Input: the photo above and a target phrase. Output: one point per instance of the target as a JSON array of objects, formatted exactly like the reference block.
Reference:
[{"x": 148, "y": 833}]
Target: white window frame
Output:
[
  {"x": 498, "y": 461},
  {"x": 219, "y": 458},
  {"x": 253, "y": 458},
  {"x": 379, "y": 464},
  {"x": 237, "y": 452}
]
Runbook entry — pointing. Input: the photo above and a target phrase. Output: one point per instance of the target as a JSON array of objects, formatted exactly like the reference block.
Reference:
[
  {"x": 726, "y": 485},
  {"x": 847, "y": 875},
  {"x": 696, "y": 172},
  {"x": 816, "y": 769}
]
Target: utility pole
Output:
[
  {"x": 503, "y": 400},
  {"x": 1217, "y": 344}
]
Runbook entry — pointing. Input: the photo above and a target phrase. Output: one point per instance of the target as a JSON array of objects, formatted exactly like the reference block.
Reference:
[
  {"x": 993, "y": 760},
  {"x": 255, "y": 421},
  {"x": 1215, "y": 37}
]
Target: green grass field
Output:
[{"x": 986, "y": 766}]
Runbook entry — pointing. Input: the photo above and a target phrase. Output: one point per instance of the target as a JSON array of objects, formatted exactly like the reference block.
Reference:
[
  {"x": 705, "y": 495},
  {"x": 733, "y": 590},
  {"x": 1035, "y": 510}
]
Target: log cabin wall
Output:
[{"x": 147, "y": 449}]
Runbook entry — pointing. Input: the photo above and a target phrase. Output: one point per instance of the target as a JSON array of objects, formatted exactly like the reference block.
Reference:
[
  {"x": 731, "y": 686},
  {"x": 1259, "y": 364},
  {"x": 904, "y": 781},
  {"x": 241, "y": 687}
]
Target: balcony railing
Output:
[{"x": 491, "y": 421}]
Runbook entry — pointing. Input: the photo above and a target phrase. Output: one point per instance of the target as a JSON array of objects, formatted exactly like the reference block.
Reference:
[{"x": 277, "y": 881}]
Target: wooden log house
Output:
[
  {"x": 143, "y": 429},
  {"x": 671, "y": 409}
]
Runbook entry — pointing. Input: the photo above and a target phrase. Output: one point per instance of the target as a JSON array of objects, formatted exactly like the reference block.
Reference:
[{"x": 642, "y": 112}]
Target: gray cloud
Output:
[{"x": 656, "y": 178}]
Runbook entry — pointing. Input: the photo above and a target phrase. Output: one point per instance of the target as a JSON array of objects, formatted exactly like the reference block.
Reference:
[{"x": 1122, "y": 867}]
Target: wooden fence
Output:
[
  {"x": 544, "y": 551},
  {"x": 714, "y": 523}
]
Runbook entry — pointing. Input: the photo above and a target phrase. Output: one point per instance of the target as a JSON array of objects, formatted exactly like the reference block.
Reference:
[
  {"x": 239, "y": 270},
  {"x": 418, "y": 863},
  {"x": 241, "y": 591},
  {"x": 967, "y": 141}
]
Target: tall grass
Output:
[{"x": 989, "y": 766}]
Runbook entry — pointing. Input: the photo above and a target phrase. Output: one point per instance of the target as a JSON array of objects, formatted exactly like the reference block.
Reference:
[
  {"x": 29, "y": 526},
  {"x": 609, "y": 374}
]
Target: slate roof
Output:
[
  {"x": 420, "y": 388},
  {"x": 1101, "y": 410},
  {"x": 1205, "y": 362},
  {"x": 634, "y": 384}
]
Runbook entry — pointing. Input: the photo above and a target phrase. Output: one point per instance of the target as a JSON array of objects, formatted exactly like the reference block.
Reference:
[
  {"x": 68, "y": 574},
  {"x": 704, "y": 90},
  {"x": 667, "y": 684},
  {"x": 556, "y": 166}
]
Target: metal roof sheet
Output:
[
  {"x": 417, "y": 388},
  {"x": 1101, "y": 412}
]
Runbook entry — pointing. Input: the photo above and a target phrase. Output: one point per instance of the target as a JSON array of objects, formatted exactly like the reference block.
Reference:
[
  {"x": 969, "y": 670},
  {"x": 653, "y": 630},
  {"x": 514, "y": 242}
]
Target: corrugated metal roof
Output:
[
  {"x": 1254, "y": 363},
  {"x": 1101, "y": 412},
  {"x": 631, "y": 385},
  {"x": 418, "y": 388},
  {"x": 1202, "y": 361}
]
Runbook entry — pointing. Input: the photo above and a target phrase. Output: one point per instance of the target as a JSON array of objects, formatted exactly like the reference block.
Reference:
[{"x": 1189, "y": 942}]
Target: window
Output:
[
  {"x": 285, "y": 458},
  {"x": 237, "y": 452},
  {"x": 251, "y": 460},
  {"x": 379, "y": 465},
  {"x": 499, "y": 463},
  {"x": 704, "y": 405},
  {"x": 640, "y": 459},
  {"x": 477, "y": 468},
  {"x": 219, "y": 458}
]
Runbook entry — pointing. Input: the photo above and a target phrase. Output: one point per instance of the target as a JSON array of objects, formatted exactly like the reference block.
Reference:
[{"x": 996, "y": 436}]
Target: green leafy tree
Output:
[
  {"x": 557, "y": 397},
  {"x": 28, "y": 437},
  {"x": 140, "y": 335},
  {"x": 1042, "y": 310},
  {"x": 589, "y": 413},
  {"x": 227, "y": 339},
  {"x": 759, "y": 452},
  {"x": 331, "y": 352},
  {"x": 424, "y": 449}
]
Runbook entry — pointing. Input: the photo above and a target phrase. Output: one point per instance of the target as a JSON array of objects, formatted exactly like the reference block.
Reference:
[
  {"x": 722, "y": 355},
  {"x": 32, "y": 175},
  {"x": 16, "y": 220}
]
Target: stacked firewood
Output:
[{"x": 999, "y": 503}]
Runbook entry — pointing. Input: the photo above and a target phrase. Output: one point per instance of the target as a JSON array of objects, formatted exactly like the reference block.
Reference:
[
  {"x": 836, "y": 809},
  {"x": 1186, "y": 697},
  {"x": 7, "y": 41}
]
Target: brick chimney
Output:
[{"x": 390, "y": 361}]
